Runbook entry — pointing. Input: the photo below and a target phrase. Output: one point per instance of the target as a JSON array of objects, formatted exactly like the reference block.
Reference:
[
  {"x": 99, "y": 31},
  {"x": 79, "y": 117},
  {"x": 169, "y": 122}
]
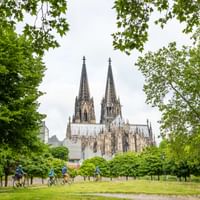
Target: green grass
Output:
[{"x": 82, "y": 190}]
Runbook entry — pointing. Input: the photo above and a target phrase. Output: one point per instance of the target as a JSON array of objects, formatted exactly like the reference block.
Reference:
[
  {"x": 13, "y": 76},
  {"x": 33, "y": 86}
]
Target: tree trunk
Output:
[
  {"x": 127, "y": 178},
  {"x": 151, "y": 178},
  {"x": 1, "y": 181},
  {"x": 31, "y": 180},
  {"x": 158, "y": 177},
  {"x": 185, "y": 178},
  {"x": 84, "y": 178},
  {"x": 27, "y": 180},
  {"x": 6, "y": 180},
  {"x": 42, "y": 181}
]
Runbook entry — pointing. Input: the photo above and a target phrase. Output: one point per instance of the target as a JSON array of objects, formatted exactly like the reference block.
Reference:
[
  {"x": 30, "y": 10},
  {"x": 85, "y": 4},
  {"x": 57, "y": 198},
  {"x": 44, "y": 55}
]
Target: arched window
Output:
[
  {"x": 85, "y": 116},
  {"x": 80, "y": 113}
]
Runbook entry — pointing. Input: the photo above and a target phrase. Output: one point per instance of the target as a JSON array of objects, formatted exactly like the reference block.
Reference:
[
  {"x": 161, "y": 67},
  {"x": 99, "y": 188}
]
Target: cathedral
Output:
[{"x": 86, "y": 138}]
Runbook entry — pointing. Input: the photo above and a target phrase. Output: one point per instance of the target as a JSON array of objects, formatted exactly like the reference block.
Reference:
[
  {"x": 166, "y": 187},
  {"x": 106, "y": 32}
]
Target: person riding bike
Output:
[
  {"x": 97, "y": 173},
  {"x": 51, "y": 176},
  {"x": 19, "y": 173},
  {"x": 65, "y": 174}
]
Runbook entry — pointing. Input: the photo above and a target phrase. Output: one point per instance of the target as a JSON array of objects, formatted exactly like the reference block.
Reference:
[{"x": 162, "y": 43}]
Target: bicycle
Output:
[
  {"x": 51, "y": 181},
  {"x": 66, "y": 179},
  {"x": 19, "y": 183},
  {"x": 97, "y": 177}
]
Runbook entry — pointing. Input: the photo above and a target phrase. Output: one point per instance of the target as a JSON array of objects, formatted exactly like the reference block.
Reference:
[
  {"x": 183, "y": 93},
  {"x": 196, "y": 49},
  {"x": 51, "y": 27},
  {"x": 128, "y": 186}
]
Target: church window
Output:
[{"x": 85, "y": 116}]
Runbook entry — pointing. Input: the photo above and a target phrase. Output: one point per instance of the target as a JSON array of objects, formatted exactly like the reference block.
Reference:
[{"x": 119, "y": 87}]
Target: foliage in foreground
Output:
[
  {"x": 21, "y": 72},
  {"x": 172, "y": 82},
  {"x": 133, "y": 19},
  {"x": 39, "y": 19}
]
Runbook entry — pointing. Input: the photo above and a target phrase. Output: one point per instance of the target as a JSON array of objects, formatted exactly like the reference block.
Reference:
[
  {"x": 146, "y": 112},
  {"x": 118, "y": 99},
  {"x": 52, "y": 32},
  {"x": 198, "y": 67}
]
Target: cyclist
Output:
[
  {"x": 97, "y": 173},
  {"x": 19, "y": 173},
  {"x": 51, "y": 176},
  {"x": 65, "y": 174}
]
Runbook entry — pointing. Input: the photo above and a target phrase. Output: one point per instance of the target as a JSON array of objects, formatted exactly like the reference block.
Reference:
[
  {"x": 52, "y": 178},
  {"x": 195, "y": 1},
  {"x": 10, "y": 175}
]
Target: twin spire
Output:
[
  {"x": 84, "y": 92},
  {"x": 84, "y": 106},
  {"x": 110, "y": 94}
]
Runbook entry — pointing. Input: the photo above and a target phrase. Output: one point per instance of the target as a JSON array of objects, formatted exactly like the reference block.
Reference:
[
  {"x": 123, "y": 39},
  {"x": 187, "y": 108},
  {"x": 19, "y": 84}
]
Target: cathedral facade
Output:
[{"x": 86, "y": 138}]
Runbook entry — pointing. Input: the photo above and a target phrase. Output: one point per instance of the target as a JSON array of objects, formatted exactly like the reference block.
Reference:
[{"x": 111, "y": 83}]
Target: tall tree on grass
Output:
[
  {"x": 125, "y": 164},
  {"x": 21, "y": 72},
  {"x": 172, "y": 82},
  {"x": 151, "y": 162}
]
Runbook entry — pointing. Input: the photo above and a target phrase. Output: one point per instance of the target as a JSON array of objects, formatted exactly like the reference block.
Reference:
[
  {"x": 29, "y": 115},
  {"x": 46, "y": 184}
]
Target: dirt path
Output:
[{"x": 148, "y": 197}]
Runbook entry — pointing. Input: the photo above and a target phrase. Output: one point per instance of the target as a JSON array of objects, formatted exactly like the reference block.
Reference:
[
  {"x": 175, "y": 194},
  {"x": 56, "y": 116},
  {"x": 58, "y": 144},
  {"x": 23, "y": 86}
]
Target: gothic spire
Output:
[
  {"x": 84, "y": 105},
  {"x": 110, "y": 105},
  {"x": 110, "y": 94},
  {"x": 84, "y": 93}
]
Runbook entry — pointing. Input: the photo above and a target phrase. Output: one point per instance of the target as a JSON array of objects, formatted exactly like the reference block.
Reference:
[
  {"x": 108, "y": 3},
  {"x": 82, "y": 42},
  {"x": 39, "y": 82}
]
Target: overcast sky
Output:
[{"x": 91, "y": 24}]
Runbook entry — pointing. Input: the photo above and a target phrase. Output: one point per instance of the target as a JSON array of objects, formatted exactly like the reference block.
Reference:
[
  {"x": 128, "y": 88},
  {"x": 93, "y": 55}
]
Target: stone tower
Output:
[
  {"x": 110, "y": 105},
  {"x": 84, "y": 105}
]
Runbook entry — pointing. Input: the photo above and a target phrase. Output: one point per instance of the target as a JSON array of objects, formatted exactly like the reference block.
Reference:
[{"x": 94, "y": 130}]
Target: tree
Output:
[
  {"x": 101, "y": 163},
  {"x": 87, "y": 169},
  {"x": 21, "y": 72},
  {"x": 133, "y": 19},
  {"x": 21, "y": 69},
  {"x": 8, "y": 161},
  {"x": 1, "y": 175},
  {"x": 72, "y": 173},
  {"x": 172, "y": 84},
  {"x": 60, "y": 152},
  {"x": 40, "y": 20},
  {"x": 57, "y": 165},
  {"x": 36, "y": 165},
  {"x": 151, "y": 162},
  {"x": 125, "y": 164}
]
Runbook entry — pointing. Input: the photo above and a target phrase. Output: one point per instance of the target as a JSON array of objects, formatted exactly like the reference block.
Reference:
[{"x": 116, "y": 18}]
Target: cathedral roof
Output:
[
  {"x": 118, "y": 121},
  {"x": 84, "y": 93},
  {"x": 141, "y": 129},
  {"x": 86, "y": 129}
]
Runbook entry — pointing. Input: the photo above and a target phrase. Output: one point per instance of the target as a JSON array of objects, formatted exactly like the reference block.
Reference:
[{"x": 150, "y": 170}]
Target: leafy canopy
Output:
[
  {"x": 40, "y": 20},
  {"x": 21, "y": 73},
  {"x": 133, "y": 18},
  {"x": 172, "y": 82},
  {"x": 60, "y": 152}
]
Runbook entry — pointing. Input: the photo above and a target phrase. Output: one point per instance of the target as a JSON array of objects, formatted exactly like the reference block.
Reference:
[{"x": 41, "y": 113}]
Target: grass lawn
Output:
[{"x": 81, "y": 190}]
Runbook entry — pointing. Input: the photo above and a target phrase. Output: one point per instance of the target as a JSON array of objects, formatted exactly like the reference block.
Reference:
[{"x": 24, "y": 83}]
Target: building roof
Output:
[{"x": 86, "y": 129}]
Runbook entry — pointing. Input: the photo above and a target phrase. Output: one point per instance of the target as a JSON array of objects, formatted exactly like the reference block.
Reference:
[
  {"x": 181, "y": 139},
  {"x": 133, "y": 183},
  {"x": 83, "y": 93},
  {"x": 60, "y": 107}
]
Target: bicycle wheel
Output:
[
  {"x": 69, "y": 181},
  {"x": 15, "y": 183},
  {"x": 54, "y": 182},
  {"x": 49, "y": 183}
]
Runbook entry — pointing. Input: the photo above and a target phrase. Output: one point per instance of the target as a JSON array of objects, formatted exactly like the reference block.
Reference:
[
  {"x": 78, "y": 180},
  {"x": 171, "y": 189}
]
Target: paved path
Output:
[{"x": 148, "y": 196}]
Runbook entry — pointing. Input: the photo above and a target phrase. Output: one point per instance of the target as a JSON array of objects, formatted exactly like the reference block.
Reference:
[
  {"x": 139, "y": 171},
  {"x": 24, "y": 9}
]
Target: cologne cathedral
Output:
[{"x": 87, "y": 138}]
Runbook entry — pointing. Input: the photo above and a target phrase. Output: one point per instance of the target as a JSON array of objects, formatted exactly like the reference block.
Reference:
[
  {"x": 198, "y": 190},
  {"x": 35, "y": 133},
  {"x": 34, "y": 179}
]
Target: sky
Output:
[{"x": 91, "y": 24}]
